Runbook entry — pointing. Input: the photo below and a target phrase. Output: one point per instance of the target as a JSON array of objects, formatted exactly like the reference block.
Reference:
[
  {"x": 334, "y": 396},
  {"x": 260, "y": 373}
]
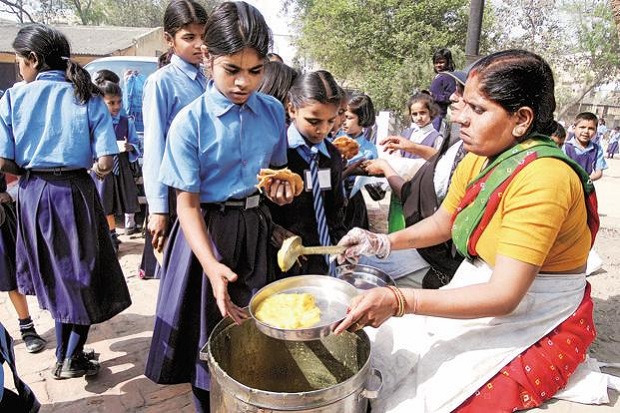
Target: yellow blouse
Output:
[{"x": 541, "y": 218}]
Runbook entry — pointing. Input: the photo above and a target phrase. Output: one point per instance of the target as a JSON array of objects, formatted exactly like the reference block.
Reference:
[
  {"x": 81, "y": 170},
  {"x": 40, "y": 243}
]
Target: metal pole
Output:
[{"x": 474, "y": 27}]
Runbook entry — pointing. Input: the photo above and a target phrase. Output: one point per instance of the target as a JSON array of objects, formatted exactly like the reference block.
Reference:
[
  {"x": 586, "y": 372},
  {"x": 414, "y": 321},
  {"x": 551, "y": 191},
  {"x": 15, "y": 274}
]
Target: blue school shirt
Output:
[
  {"x": 216, "y": 148},
  {"x": 132, "y": 136},
  {"x": 599, "y": 163},
  {"x": 368, "y": 150},
  {"x": 296, "y": 141},
  {"x": 43, "y": 126},
  {"x": 166, "y": 92}
]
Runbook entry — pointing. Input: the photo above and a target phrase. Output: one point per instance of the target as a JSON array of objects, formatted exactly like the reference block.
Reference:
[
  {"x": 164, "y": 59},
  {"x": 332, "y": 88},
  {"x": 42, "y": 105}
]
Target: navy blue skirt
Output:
[
  {"x": 64, "y": 252},
  {"x": 8, "y": 231},
  {"x": 186, "y": 309},
  {"x": 119, "y": 193}
]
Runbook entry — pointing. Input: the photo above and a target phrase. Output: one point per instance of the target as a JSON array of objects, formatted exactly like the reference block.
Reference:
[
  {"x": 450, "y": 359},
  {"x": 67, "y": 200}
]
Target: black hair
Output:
[
  {"x": 427, "y": 100},
  {"x": 105, "y": 75},
  {"x": 52, "y": 52},
  {"x": 277, "y": 80},
  {"x": 559, "y": 131},
  {"x": 362, "y": 106},
  {"x": 588, "y": 116},
  {"x": 233, "y": 26},
  {"x": 446, "y": 55},
  {"x": 318, "y": 86},
  {"x": 110, "y": 88},
  {"x": 517, "y": 78},
  {"x": 178, "y": 14}
]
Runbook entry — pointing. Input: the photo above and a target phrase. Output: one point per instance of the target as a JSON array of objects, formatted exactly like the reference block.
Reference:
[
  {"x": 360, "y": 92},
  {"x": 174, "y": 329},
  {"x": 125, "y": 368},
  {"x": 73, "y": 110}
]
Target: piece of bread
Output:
[
  {"x": 348, "y": 147},
  {"x": 267, "y": 176}
]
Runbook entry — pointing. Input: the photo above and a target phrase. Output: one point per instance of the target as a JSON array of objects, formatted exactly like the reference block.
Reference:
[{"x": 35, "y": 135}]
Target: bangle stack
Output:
[{"x": 400, "y": 298}]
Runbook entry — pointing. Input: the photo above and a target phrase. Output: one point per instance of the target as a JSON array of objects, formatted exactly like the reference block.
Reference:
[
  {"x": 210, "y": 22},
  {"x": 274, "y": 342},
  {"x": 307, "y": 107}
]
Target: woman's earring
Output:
[{"x": 518, "y": 132}]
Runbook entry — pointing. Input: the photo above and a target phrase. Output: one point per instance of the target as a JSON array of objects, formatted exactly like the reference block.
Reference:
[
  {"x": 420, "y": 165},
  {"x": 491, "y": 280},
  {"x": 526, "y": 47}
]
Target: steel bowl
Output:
[
  {"x": 363, "y": 277},
  {"x": 331, "y": 295}
]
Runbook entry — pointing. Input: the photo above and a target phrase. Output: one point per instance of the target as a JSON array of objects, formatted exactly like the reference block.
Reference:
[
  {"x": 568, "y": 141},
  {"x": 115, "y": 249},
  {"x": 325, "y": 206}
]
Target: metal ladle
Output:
[{"x": 292, "y": 248}]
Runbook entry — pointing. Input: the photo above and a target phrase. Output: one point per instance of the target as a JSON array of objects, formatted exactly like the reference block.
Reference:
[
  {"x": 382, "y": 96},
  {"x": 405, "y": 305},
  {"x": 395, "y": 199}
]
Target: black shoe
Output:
[
  {"x": 131, "y": 230},
  {"x": 56, "y": 370},
  {"x": 34, "y": 342},
  {"x": 78, "y": 366}
]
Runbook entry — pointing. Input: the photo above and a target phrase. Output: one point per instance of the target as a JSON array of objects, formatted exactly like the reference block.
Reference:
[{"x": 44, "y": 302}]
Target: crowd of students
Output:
[{"x": 214, "y": 114}]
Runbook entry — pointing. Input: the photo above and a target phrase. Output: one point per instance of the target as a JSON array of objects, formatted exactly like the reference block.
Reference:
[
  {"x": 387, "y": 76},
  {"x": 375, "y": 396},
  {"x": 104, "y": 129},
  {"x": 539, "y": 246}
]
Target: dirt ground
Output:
[{"x": 123, "y": 342}]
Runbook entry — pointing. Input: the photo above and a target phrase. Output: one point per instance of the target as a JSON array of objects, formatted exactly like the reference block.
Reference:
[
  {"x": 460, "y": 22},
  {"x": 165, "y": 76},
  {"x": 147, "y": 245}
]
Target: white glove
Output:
[{"x": 362, "y": 242}]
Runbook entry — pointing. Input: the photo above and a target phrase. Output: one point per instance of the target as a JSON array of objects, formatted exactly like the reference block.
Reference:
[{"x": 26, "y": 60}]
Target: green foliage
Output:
[
  {"x": 381, "y": 47},
  {"x": 140, "y": 13},
  {"x": 577, "y": 37}
]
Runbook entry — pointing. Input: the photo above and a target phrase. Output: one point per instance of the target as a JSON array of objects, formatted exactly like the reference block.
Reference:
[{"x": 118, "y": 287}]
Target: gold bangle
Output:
[{"x": 400, "y": 298}]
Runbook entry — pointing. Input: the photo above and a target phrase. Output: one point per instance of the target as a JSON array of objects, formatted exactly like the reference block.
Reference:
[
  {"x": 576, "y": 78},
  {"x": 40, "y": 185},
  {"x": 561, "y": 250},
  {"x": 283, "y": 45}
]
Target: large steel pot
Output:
[{"x": 252, "y": 372}]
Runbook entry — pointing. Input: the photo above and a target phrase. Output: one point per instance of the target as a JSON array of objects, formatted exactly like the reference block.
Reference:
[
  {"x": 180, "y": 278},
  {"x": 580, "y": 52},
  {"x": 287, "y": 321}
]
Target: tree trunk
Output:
[{"x": 615, "y": 8}]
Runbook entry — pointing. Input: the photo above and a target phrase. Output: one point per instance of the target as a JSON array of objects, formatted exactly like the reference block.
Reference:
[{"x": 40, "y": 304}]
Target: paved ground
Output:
[{"x": 123, "y": 341}]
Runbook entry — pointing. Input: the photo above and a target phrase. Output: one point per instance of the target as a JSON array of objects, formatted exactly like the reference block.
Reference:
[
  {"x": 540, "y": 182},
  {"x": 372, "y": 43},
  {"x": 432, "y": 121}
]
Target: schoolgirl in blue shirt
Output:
[
  {"x": 314, "y": 101},
  {"x": 166, "y": 92},
  {"x": 217, "y": 254},
  {"x": 51, "y": 130},
  {"x": 118, "y": 190},
  {"x": 358, "y": 123}
]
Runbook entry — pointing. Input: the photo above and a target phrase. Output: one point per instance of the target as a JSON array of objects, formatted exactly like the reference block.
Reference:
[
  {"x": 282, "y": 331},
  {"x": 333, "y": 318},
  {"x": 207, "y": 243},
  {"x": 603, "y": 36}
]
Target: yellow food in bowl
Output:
[{"x": 289, "y": 311}]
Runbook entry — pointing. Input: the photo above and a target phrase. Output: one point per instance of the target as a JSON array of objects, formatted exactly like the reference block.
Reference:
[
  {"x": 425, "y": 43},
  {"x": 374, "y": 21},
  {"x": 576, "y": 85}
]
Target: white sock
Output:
[{"x": 130, "y": 220}]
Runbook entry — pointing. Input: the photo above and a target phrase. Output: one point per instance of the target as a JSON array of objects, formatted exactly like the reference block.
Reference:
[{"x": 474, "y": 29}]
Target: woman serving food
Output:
[{"x": 516, "y": 320}]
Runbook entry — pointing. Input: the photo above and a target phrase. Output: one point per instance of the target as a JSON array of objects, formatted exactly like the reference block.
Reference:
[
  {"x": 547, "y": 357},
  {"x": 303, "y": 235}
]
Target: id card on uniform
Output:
[{"x": 325, "y": 179}]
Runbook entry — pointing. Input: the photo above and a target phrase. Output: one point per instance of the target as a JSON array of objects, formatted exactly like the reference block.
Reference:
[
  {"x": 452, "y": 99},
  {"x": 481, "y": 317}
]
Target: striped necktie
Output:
[
  {"x": 116, "y": 164},
  {"x": 319, "y": 209}
]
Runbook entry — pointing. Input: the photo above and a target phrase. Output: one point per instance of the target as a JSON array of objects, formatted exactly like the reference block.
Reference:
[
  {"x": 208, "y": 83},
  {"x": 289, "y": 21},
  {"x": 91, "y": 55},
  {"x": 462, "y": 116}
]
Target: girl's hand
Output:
[
  {"x": 370, "y": 308},
  {"x": 219, "y": 276},
  {"x": 127, "y": 147},
  {"x": 395, "y": 143},
  {"x": 158, "y": 228},
  {"x": 280, "y": 192},
  {"x": 375, "y": 167},
  {"x": 354, "y": 169}
]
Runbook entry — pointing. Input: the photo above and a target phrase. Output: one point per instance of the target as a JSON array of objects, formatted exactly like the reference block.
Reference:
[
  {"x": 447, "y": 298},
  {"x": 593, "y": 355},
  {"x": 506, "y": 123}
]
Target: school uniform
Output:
[
  {"x": 356, "y": 214},
  {"x": 589, "y": 158},
  {"x": 64, "y": 253},
  {"x": 426, "y": 136},
  {"x": 166, "y": 92},
  {"x": 442, "y": 87},
  {"x": 215, "y": 149},
  {"x": 118, "y": 190},
  {"x": 8, "y": 233},
  {"x": 298, "y": 216}
]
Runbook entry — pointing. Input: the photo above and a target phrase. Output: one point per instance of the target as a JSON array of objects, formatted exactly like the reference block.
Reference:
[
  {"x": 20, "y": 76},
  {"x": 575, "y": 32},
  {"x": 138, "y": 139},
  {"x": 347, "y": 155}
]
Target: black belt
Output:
[
  {"x": 60, "y": 170},
  {"x": 249, "y": 202}
]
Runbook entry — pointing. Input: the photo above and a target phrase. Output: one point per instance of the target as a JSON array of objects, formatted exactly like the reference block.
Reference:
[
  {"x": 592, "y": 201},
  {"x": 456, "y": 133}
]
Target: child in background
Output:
[
  {"x": 102, "y": 76},
  {"x": 217, "y": 254},
  {"x": 612, "y": 147},
  {"x": 8, "y": 282},
  {"x": 559, "y": 135},
  {"x": 358, "y": 123},
  {"x": 166, "y": 92},
  {"x": 313, "y": 106},
  {"x": 420, "y": 140},
  {"x": 277, "y": 81},
  {"x": 342, "y": 110},
  {"x": 118, "y": 190},
  {"x": 583, "y": 150},
  {"x": 51, "y": 130},
  {"x": 443, "y": 85}
]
